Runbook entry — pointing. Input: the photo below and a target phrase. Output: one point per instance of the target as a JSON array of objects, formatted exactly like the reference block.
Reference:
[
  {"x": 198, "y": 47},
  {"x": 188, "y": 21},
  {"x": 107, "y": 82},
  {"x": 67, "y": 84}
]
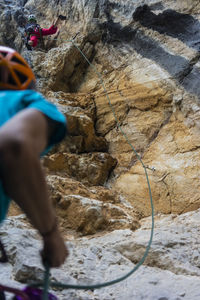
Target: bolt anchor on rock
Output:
[{"x": 150, "y": 168}]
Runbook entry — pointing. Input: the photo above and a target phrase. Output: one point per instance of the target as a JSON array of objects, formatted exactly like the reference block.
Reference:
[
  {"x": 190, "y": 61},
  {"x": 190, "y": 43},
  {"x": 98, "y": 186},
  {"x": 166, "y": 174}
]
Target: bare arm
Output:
[{"x": 22, "y": 139}]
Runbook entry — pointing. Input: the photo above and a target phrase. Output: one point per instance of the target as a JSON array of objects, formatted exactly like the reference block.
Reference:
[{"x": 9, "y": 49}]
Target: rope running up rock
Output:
[{"x": 47, "y": 282}]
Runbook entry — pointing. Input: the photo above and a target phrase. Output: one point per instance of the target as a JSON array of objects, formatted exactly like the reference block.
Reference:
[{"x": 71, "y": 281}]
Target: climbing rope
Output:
[{"x": 47, "y": 282}]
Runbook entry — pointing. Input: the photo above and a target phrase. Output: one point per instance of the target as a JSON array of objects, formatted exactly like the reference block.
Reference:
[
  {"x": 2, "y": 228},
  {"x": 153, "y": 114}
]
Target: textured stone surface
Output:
[
  {"x": 175, "y": 157},
  {"x": 171, "y": 270},
  {"x": 147, "y": 57},
  {"x": 92, "y": 169},
  {"x": 88, "y": 210}
]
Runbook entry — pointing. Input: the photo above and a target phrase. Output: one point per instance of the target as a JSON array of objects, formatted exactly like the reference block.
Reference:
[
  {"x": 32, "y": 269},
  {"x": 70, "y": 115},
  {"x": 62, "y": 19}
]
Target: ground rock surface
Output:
[{"x": 171, "y": 271}]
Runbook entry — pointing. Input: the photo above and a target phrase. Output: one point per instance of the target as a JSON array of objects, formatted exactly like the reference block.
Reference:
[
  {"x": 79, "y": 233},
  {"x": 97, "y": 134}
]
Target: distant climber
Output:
[{"x": 34, "y": 33}]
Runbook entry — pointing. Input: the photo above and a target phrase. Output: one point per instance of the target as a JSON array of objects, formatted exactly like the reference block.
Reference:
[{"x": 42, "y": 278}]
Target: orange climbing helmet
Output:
[{"x": 15, "y": 73}]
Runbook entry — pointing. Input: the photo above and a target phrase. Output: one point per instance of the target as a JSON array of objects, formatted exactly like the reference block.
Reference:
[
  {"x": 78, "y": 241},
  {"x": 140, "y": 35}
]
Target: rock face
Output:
[
  {"x": 171, "y": 270},
  {"x": 142, "y": 90}
]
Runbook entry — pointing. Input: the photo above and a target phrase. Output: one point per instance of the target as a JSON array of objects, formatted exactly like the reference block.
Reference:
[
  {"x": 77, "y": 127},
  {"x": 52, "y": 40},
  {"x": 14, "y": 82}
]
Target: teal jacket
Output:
[{"x": 12, "y": 102}]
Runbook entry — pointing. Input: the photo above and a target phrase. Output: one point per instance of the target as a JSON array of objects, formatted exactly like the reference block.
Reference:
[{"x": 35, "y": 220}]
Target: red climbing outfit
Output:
[{"x": 43, "y": 31}]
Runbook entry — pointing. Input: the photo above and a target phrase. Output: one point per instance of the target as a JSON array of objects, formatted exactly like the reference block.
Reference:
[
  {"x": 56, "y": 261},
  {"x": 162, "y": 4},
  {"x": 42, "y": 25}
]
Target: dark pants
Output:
[{"x": 2, "y": 295}]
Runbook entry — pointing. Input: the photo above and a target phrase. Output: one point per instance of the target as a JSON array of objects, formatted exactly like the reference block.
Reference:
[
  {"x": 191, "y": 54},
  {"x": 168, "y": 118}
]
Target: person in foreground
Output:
[{"x": 29, "y": 127}]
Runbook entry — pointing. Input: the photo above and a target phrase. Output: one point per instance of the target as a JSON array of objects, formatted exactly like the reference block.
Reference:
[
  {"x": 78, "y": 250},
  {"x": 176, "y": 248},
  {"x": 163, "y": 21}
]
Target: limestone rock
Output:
[
  {"x": 171, "y": 270},
  {"x": 89, "y": 216},
  {"x": 62, "y": 186},
  {"x": 87, "y": 210},
  {"x": 79, "y": 101},
  {"x": 175, "y": 156},
  {"x": 145, "y": 61},
  {"x": 147, "y": 111},
  {"x": 82, "y": 136},
  {"x": 91, "y": 169}
]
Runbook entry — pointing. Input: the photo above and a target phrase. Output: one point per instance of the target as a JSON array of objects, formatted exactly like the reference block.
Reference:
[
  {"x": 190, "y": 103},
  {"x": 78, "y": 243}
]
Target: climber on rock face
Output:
[
  {"x": 34, "y": 32},
  {"x": 29, "y": 126}
]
